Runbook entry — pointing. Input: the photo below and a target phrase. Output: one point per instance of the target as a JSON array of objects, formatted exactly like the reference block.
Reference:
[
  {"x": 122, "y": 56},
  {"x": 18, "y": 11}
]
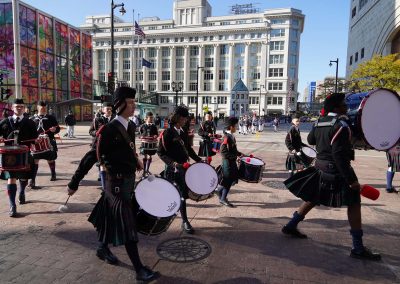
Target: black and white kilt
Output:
[
  {"x": 114, "y": 214},
  {"x": 322, "y": 188},
  {"x": 393, "y": 158},
  {"x": 293, "y": 162},
  {"x": 205, "y": 149}
]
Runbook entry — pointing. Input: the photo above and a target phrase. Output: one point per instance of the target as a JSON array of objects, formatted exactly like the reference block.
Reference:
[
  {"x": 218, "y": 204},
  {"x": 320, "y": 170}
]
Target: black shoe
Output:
[
  {"x": 226, "y": 203},
  {"x": 21, "y": 199},
  {"x": 105, "y": 254},
  {"x": 13, "y": 211},
  {"x": 53, "y": 178},
  {"x": 366, "y": 254},
  {"x": 218, "y": 193},
  {"x": 187, "y": 228},
  {"x": 391, "y": 190},
  {"x": 98, "y": 179},
  {"x": 33, "y": 186},
  {"x": 146, "y": 274},
  {"x": 293, "y": 232}
]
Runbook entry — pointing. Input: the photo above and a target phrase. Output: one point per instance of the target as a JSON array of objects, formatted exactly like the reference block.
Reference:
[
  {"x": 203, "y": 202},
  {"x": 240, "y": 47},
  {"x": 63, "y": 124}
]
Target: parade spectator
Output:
[{"x": 70, "y": 122}]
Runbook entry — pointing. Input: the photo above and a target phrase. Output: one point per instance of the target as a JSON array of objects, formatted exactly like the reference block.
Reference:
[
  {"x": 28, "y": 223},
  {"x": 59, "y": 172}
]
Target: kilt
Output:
[
  {"x": 114, "y": 215},
  {"x": 393, "y": 158},
  {"x": 322, "y": 188},
  {"x": 230, "y": 173},
  {"x": 5, "y": 175},
  {"x": 293, "y": 162},
  {"x": 205, "y": 149},
  {"x": 178, "y": 178}
]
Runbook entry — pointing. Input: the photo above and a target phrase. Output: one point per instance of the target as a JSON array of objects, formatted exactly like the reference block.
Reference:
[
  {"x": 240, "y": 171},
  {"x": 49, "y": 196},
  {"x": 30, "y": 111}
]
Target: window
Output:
[
  {"x": 192, "y": 86},
  {"x": 126, "y": 64},
  {"x": 180, "y": 51},
  {"x": 295, "y": 22},
  {"x": 165, "y": 86},
  {"x": 209, "y": 50},
  {"x": 278, "y": 21},
  {"x": 152, "y": 75},
  {"x": 208, "y": 75},
  {"x": 152, "y": 52},
  {"x": 353, "y": 12},
  {"x": 166, "y": 52},
  {"x": 222, "y": 100},
  {"x": 255, "y": 48},
  {"x": 126, "y": 53},
  {"x": 255, "y": 74},
  {"x": 101, "y": 64},
  {"x": 356, "y": 57},
  {"x": 207, "y": 86},
  {"x": 277, "y": 45},
  {"x": 194, "y": 50},
  {"x": 224, "y": 49},
  {"x": 179, "y": 63},
  {"x": 222, "y": 86},
  {"x": 275, "y": 86},
  {"x": 293, "y": 46},
  {"x": 293, "y": 59},
  {"x": 269, "y": 101},
  {"x": 275, "y": 72},
  {"x": 164, "y": 99},
  {"x": 277, "y": 100},
  {"x": 206, "y": 100},
  {"x": 166, "y": 63},
  {"x": 179, "y": 75},
  {"x": 223, "y": 62},
  {"x": 153, "y": 64},
  {"x": 292, "y": 72},
  {"x": 209, "y": 62},
  {"x": 192, "y": 99},
  {"x": 239, "y": 22},
  {"x": 223, "y": 75},
  {"x": 362, "y": 3},
  {"x": 294, "y": 33},
  {"x": 276, "y": 59},
  {"x": 277, "y": 32},
  {"x": 194, "y": 62},
  {"x": 165, "y": 75},
  {"x": 126, "y": 76},
  {"x": 239, "y": 48},
  {"x": 193, "y": 75},
  {"x": 225, "y": 23},
  {"x": 362, "y": 53},
  {"x": 139, "y": 76}
]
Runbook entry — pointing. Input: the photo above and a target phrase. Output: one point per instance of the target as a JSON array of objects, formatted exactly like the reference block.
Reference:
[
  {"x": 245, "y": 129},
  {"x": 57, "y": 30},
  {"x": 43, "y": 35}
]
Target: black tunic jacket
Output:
[
  {"x": 26, "y": 127},
  {"x": 207, "y": 127},
  {"x": 148, "y": 130},
  {"x": 293, "y": 139},
  {"x": 46, "y": 121}
]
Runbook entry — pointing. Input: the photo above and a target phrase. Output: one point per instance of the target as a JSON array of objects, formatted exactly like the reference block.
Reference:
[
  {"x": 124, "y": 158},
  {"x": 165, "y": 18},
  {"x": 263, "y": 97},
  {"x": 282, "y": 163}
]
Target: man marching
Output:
[
  {"x": 23, "y": 131},
  {"x": 148, "y": 130},
  {"x": 207, "y": 132},
  {"x": 393, "y": 158},
  {"x": 294, "y": 144},
  {"x": 45, "y": 124},
  {"x": 332, "y": 182}
]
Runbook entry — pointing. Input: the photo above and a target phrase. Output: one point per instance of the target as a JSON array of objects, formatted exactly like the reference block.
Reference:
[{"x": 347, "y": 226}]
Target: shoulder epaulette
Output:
[{"x": 326, "y": 123}]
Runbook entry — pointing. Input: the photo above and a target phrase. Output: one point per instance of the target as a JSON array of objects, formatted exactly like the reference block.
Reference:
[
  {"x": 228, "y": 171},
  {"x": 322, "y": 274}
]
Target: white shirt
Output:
[
  {"x": 332, "y": 114},
  {"x": 178, "y": 130},
  {"x": 15, "y": 117},
  {"x": 123, "y": 121}
]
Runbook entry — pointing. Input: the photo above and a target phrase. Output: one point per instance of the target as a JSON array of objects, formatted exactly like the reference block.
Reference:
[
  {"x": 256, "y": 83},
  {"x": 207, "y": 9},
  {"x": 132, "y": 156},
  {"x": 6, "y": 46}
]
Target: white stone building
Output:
[
  {"x": 262, "y": 49},
  {"x": 374, "y": 29}
]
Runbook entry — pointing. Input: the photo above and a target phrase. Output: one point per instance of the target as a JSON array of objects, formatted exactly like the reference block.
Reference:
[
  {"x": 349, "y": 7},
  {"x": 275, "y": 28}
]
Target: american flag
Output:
[{"x": 139, "y": 31}]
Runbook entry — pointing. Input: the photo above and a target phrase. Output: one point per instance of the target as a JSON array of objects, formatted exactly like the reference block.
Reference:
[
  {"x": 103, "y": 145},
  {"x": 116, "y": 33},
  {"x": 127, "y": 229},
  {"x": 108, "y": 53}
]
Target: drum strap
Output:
[
  {"x": 325, "y": 124},
  {"x": 124, "y": 134}
]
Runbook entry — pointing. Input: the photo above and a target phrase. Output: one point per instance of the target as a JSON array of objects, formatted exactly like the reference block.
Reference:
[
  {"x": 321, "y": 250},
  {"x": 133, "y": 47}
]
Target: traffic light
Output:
[{"x": 110, "y": 83}]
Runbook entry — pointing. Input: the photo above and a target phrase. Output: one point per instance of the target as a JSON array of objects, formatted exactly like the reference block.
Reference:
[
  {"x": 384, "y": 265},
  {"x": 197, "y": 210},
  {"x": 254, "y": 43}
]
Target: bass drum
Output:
[
  {"x": 158, "y": 201},
  {"x": 202, "y": 180},
  {"x": 373, "y": 117}
]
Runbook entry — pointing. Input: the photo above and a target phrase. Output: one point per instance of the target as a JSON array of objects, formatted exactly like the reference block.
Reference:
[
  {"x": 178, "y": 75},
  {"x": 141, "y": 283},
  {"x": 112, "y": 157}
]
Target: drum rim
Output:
[
  {"x": 359, "y": 115},
  {"x": 19, "y": 149},
  {"x": 245, "y": 157},
  {"x": 315, "y": 151}
]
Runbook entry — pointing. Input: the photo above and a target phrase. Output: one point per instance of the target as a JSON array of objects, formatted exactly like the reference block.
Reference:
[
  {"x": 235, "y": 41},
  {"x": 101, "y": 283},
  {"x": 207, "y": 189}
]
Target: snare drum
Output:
[
  {"x": 251, "y": 169},
  {"x": 158, "y": 201},
  {"x": 308, "y": 155},
  {"x": 148, "y": 146},
  {"x": 202, "y": 180},
  {"x": 14, "y": 158},
  {"x": 42, "y": 147},
  {"x": 216, "y": 145},
  {"x": 372, "y": 116}
]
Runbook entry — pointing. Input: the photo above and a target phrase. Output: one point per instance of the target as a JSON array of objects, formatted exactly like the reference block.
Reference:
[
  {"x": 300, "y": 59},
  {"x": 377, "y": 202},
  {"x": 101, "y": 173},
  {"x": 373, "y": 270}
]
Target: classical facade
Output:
[
  {"x": 374, "y": 29},
  {"x": 207, "y": 54}
]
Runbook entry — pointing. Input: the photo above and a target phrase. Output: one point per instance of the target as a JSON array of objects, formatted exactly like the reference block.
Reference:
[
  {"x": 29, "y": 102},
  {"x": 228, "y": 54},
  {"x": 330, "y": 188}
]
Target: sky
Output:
[{"x": 324, "y": 37}]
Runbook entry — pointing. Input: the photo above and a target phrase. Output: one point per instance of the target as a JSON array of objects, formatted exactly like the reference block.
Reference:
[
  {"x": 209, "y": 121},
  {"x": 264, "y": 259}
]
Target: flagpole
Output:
[
  {"x": 133, "y": 79},
  {"x": 138, "y": 48}
]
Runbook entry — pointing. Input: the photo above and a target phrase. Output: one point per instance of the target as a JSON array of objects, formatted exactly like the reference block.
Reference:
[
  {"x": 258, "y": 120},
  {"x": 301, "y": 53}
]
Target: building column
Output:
[
  {"x": 186, "y": 70},
  {"x": 133, "y": 69},
  {"x": 216, "y": 67},
  {"x": 17, "y": 53},
  {"x": 120, "y": 66},
  {"x": 201, "y": 63},
  {"x": 173, "y": 63},
  {"x": 246, "y": 64},
  {"x": 107, "y": 66},
  {"x": 145, "y": 71},
  {"x": 95, "y": 64},
  {"x": 231, "y": 66},
  {"x": 159, "y": 64}
]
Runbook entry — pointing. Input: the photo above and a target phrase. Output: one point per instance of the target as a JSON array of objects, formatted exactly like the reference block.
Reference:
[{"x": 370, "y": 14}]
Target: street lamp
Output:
[
  {"x": 259, "y": 103},
  {"x": 197, "y": 92},
  {"x": 122, "y": 11},
  {"x": 176, "y": 87},
  {"x": 337, "y": 66}
]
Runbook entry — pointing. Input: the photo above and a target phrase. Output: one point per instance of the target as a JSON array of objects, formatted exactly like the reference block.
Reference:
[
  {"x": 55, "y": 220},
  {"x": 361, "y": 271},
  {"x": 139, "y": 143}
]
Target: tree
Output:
[{"x": 379, "y": 72}]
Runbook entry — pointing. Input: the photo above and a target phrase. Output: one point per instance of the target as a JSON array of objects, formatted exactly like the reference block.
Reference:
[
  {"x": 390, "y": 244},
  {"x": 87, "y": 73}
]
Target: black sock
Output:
[
  {"x": 183, "y": 212},
  {"x": 224, "y": 193},
  {"x": 12, "y": 192},
  {"x": 52, "y": 166},
  {"x": 35, "y": 169},
  {"x": 22, "y": 185},
  {"x": 296, "y": 219},
  {"x": 356, "y": 236},
  {"x": 133, "y": 253}
]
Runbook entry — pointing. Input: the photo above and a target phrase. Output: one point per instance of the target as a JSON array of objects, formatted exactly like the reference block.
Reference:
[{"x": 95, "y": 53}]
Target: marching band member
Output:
[
  {"x": 254, "y": 125},
  {"x": 293, "y": 143},
  {"x": 229, "y": 155},
  {"x": 114, "y": 216},
  {"x": 175, "y": 151},
  {"x": 332, "y": 182},
  {"x": 90, "y": 157},
  {"x": 148, "y": 129},
  {"x": 46, "y": 123},
  {"x": 393, "y": 158},
  {"x": 22, "y": 129},
  {"x": 207, "y": 131}
]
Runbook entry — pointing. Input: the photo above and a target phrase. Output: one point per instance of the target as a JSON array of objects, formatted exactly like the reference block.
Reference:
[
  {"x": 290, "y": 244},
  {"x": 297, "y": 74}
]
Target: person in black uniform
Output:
[
  {"x": 46, "y": 123},
  {"x": 393, "y": 159},
  {"x": 332, "y": 182},
  {"x": 90, "y": 157},
  {"x": 229, "y": 153},
  {"x": 174, "y": 150},
  {"x": 294, "y": 144},
  {"x": 23, "y": 129},
  {"x": 207, "y": 132},
  {"x": 114, "y": 216},
  {"x": 148, "y": 130}
]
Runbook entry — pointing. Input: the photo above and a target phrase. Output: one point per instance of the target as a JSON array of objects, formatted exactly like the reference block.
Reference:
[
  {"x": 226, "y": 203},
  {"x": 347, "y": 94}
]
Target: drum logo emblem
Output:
[
  {"x": 384, "y": 143},
  {"x": 172, "y": 206},
  {"x": 213, "y": 181}
]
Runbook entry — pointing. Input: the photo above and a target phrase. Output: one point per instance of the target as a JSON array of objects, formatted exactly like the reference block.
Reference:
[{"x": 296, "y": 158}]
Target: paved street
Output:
[{"x": 45, "y": 246}]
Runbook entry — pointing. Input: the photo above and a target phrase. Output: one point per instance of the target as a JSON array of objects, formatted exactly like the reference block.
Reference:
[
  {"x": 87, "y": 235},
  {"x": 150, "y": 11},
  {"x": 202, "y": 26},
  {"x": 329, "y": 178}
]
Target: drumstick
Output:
[{"x": 64, "y": 208}]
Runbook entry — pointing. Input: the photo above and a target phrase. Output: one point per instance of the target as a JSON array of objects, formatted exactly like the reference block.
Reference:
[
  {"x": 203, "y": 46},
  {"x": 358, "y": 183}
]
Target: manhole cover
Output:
[
  {"x": 184, "y": 249},
  {"x": 274, "y": 184}
]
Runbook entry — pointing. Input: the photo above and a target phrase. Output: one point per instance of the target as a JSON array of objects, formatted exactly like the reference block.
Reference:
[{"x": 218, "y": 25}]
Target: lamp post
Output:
[
  {"x": 122, "y": 11},
  {"x": 176, "y": 87},
  {"x": 259, "y": 103},
  {"x": 337, "y": 67},
  {"x": 197, "y": 92}
]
